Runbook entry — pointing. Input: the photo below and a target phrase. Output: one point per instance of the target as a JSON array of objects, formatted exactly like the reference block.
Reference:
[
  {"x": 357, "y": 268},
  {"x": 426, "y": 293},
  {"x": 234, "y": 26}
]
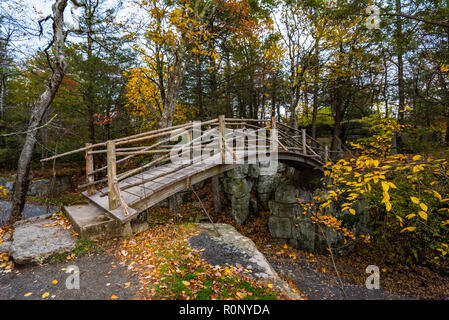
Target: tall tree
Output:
[{"x": 39, "y": 108}]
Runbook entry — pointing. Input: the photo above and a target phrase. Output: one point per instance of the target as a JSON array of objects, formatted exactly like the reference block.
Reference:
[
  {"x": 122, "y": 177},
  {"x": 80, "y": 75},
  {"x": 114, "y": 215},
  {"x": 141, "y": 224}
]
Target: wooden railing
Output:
[{"x": 120, "y": 152}]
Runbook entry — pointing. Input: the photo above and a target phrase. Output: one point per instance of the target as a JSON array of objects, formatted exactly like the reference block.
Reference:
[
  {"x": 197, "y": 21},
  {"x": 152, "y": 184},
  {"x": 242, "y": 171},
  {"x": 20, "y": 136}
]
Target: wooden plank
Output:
[
  {"x": 180, "y": 185},
  {"x": 117, "y": 213}
]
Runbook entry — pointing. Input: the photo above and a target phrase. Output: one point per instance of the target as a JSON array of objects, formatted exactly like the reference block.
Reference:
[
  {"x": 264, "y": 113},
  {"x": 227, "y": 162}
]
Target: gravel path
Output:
[
  {"x": 100, "y": 278},
  {"x": 325, "y": 286}
]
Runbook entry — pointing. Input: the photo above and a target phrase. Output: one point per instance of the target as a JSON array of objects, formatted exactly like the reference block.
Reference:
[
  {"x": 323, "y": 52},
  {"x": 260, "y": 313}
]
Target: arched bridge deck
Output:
[{"x": 202, "y": 150}]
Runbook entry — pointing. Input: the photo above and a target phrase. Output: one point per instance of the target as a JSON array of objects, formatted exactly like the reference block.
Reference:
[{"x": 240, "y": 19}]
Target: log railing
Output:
[{"x": 120, "y": 152}]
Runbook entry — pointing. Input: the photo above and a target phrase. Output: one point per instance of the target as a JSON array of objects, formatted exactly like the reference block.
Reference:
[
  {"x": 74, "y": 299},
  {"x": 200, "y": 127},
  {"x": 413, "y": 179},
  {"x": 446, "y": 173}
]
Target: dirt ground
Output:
[{"x": 101, "y": 277}]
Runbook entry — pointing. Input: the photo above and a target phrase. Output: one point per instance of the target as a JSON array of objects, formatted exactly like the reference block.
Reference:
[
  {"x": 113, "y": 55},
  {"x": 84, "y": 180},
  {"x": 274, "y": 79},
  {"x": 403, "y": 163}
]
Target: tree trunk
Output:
[
  {"x": 199, "y": 85},
  {"x": 175, "y": 79},
  {"x": 400, "y": 63},
  {"x": 38, "y": 110},
  {"x": 337, "y": 118},
  {"x": 315, "y": 92},
  {"x": 3, "y": 73},
  {"x": 315, "y": 109},
  {"x": 229, "y": 111}
]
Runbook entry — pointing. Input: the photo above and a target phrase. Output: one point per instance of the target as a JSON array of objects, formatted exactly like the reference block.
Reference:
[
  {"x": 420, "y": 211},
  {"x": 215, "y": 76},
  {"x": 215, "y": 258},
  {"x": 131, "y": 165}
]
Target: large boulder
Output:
[
  {"x": 238, "y": 188},
  {"x": 240, "y": 208},
  {"x": 44, "y": 187},
  {"x": 266, "y": 184},
  {"x": 286, "y": 193},
  {"x": 284, "y": 210},
  {"x": 7, "y": 184},
  {"x": 238, "y": 173},
  {"x": 36, "y": 240},
  {"x": 280, "y": 228}
]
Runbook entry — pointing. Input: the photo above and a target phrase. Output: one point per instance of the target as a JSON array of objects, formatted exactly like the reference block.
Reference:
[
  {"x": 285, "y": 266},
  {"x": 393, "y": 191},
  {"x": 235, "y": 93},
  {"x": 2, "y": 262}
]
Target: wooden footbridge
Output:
[{"x": 123, "y": 190}]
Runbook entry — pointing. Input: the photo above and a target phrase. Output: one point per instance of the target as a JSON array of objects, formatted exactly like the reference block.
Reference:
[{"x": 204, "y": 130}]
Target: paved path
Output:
[{"x": 100, "y": 278}]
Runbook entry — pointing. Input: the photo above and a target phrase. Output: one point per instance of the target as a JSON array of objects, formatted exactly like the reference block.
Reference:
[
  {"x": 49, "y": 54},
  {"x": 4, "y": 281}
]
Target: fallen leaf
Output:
[
  {"x": 55, "y": 282},
  {"x": 45, "y": 295},
  {"x": 28, "y": 294},
  {"x": 114, "y": 297}
]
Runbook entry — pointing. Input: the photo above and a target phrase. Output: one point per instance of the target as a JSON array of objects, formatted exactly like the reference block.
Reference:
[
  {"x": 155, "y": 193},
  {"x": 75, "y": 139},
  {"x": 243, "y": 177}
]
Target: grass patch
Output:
[
  {"x": 82, "y": 248},
  {"x": 66, "y": 199}
]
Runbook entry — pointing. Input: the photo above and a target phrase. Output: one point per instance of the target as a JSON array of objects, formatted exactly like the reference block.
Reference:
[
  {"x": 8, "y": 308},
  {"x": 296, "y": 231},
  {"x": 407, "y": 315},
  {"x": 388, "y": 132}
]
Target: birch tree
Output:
[{"x": 39, "y": 108}]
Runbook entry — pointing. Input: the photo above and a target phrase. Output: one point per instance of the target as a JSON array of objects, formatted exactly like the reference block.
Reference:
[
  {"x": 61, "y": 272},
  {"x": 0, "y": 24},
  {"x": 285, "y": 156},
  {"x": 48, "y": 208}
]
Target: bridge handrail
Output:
[{"x": 285, "y": 141}]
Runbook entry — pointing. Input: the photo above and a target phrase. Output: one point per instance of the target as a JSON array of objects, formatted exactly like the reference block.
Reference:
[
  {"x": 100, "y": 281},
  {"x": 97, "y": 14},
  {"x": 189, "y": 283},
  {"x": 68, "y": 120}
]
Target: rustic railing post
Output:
[
  {"x": 304, "y": 141},
  {"x": 191, "y": 145},
  {"x": 222, "y": 130},
  {"x": 112, "y": 176},
  {"x": 326, "y": 154},
  {"x": 89, "y": 169},
  {"x": 273, "y": 135}
]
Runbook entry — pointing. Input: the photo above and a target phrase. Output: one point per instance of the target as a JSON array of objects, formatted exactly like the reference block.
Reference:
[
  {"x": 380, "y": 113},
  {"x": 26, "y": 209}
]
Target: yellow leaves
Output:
[
  {"x": 3, "y": 190},
  {"x": 415, "y": 200},
  {"x": 186, "y": 283},
  {"x": 418, "y": 168},
  {"x": 417, "y": 157},
  {"x": 391, "y": 185},
  {"x": 423, "y": 212},
  {"x": 385, "y": 186},
  {"x": 45, "y": 295},
  {"x": 423, "y": 206},
  {"x": 409, "y": 216},
  {"x": 401, "y": 222},
  {"x": 410, "y": 229},
  {"x": 114, "y": 297},
  {"x": 270, "y": 285},
  {"x": 352, "y": 211},
  {"x": 437, "y": 195},
  {"x": 444, "y": 68},
  {"x": 423, "y": 215},
  {"x": 55, "y": 282},
  {"x": 28, "y": 294}
]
